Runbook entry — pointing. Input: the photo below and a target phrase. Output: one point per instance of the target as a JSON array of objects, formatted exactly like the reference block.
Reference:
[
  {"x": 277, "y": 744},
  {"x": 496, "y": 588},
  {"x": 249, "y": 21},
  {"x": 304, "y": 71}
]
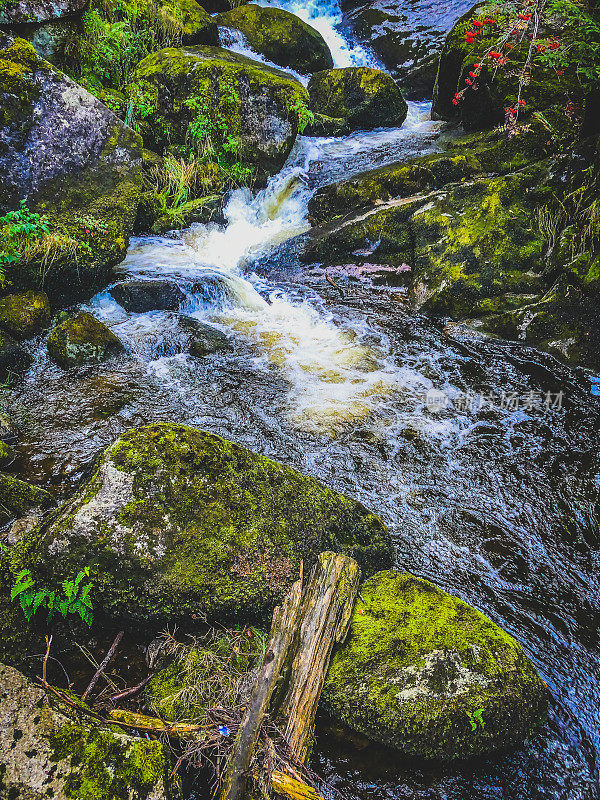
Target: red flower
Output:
[
  {"x": 476, "y": 66},
  {"x": 454, "y": 101},
  {"x": 509, "y": 46},
  {"x": 472, "y": 75},
  {"x": 468, "y": 81},
  {"x": 495, "y": 55},
  {"x": 522, "y": 102},
  {"x": 477, "y": 23},
  {"x": 525, "y": 16},
  {"x": 560, "y": 72}
]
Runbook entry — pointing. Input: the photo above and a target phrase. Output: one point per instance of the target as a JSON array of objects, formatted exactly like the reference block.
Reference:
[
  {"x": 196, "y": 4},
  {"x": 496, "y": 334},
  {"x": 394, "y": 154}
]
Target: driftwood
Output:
[
  {"x": 324, "y": 621},
  {"x": 104, "y": 663},
  {"x": 303, "y": 634},
  {"x": 237, "y": 773},
  {"x": 154, "y": 725}
]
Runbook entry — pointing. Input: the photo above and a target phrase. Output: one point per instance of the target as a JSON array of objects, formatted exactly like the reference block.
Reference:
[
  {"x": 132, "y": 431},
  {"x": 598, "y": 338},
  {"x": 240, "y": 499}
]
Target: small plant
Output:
[
  {"x": 19, "y": 229},
  {"x": 305, "y": 115},
  {"x": 476, "y": 717},
  {"x": 73, "y": 599}
]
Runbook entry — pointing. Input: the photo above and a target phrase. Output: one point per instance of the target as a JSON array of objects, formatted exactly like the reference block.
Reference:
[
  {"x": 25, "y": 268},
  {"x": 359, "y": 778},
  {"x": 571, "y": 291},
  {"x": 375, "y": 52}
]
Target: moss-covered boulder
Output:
[
  {"x": 367, "y": 98},
  {"x": 496, "y": 81},
  {"x": 53, "y": 750},
  {"x": 464, "y": 243},
  {"x": 196, "y": 95},
  {"x": 370, "y": 189},
  {"x": 188, "y": 20},
  {"x": 281, "y": 37},
  {"x": 177, "y": 522},
  {"x": 17, "y": 497},
  {"x": 75, "y": 164},
  {"x": 82, "y": 339},
  {"x": 425, "y": 673},
  {"x": 24, "y": 315}
]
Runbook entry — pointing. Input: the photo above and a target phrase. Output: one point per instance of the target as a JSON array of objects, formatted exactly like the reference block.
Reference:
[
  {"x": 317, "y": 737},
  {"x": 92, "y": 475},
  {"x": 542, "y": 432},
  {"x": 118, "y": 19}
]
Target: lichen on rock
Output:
[
  {"x": 423, "y": 672},
  {"x": 177, "y": 522},
  {"x": 53, "y": 750}
]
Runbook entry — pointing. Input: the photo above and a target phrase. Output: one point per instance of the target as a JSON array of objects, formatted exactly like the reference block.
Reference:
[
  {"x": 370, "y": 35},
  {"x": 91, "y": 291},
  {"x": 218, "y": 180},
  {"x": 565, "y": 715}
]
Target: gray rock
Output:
[
  {"x": 204, "y": 339},
  {"x": 51, "y": 750},
  {"x": 140, "y": 296},
  {"x": 82, "y": 339},
  {"x": 24, "y": 11},
  {"x": 70, "y": 158},
  {"x": 14, "y": 358}
]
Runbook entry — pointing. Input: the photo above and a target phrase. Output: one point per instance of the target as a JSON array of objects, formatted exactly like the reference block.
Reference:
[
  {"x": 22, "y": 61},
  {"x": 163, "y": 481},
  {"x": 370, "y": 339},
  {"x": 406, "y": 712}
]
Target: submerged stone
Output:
[
  {"x": 366, "y": 98},
  {"x": 426, "y": 674},
  {"x": 82, "y": 339},
  {"x": 177, "y": 522},
  {"x": 24, "y": 315},
  {"x": 51, "y": 750},
  {"x": 281, "y": 37},
  {"x": 14, "y": 358}
]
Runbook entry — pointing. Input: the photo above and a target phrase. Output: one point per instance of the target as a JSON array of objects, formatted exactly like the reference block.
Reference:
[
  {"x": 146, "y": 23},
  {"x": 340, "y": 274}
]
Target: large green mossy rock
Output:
[
  {"x": 281, "y": 37},
  {"x": 425, "y": 673},
  {"x": 185, "y": 19},
  {"x": 253, "y": 104},
  {"x": 82, "y": 339},
  {"x": 73, "y": 161},
  {"x": 24, "y": 315},
  {"x": 497, "y": 87},
  {"x": 366, "y": 98},
  {"x": 464, "y": 243},
  {"x": 177, "y": 522},
  {"x": 52, "y": 750}
]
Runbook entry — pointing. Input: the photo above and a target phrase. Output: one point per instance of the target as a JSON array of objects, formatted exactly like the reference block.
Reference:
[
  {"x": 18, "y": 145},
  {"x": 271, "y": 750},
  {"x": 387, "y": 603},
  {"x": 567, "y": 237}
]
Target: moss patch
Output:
[
  {"x": 420, "y": 666},
  {"x": 17, "y": 497},
  {"x": 24, "y": 315}
]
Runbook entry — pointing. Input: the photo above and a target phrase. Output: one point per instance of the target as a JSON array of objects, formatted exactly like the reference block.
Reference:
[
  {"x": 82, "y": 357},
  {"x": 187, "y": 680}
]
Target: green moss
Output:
[
  {"x": 108, "y": 766},
  {"x": 82, "y": 339},
  {"x": 367, "y": 98},
  {"x": 24, "y": 315},
  {"x": 7, "y": 454},
  {"x": 18, "y": 89},
  {"x": 280, "y": 36},
  {"x": 419, "y": 662},
  {"x": 194, "y": 525},
  {"x": 17, "y": 497}
]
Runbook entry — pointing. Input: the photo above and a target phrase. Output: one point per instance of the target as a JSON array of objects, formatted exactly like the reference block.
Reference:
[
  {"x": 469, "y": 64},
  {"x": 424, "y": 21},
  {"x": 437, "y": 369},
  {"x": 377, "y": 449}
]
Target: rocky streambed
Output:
[{"x": 191, "y": 415}]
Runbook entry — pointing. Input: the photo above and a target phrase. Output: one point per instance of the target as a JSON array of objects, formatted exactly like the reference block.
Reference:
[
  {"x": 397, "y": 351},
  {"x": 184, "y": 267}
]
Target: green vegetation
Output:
[
  {"x": 73, "y": 599},
  {"x": 20, "y": 231}
]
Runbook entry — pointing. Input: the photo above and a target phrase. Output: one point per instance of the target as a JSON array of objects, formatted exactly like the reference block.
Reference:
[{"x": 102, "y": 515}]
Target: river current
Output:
[{"x": 480, "y": 455}]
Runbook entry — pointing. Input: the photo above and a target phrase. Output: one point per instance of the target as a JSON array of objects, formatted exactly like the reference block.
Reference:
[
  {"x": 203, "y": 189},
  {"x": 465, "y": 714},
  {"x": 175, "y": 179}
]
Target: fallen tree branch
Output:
[{"x": 103, "y": 664}]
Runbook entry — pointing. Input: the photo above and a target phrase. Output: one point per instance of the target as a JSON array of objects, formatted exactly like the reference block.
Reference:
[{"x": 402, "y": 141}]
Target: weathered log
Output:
[
  {"x": 142, "y": 722},
  {"x": 324, "y": 616},
  {"x": 285, "y": 621}
]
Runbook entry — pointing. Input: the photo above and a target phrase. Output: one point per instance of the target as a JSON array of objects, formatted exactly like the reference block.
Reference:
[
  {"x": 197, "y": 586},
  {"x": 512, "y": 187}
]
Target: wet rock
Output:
[
  {"x": 52, "y": 750},
  {"x": 255, "y": 103},
  {"x": 82, "y": 339},
  {"x": 428, "y": 675},
  {"x": 17, "y": 497},
  {"x": 203, "y": 339},
  {"x": 75, "y": 163},
  {"x": 19, "y": 12},
  {"x": 395, "y": 181},
  {"x": 464, "y": 243},
  {"x": 407, "y": 36},
  {"x": 546, "y": 91},
  {"x": 281, "y": 37},
  {"x": 366, "y": 98},
  {"x": 14, "y": 359},
  {"x": 140, "y": 296},
  {"x": 192, "y": 524},
  {"x": 24, "y": 315}
]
